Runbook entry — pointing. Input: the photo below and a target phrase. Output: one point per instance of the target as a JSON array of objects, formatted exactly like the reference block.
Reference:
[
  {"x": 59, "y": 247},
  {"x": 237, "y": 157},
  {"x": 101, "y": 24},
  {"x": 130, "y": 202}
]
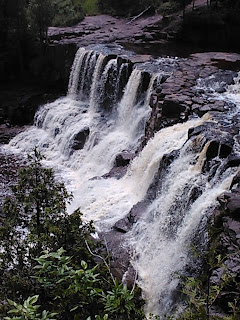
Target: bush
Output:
[
  {"x": 48, "y": 255},
  {"x": 67, "y": 13}
]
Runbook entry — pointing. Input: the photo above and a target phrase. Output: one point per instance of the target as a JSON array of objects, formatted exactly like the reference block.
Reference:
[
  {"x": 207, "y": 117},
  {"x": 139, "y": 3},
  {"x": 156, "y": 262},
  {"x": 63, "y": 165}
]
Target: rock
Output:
[
  {"x": 232, "y": 225},
  {"x": 116, "y": 172},
  {"x": 7, "y": 133},
  {"x": 80, "y": 138},
  {"x": 173, "y": 106},
  {"x": 198, "y": 101},
  {"x": 125, "y": 224},
  {"x": 233, "y": 161},
  {"x": 233, "y": 205},
  {"x": 123, "y": 159}
]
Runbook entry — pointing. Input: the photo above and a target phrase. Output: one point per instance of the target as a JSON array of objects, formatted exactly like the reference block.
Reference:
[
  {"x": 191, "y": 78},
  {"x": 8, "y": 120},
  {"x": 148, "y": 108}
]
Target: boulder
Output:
[
  {"x": 173, "y": 106},
  {"x": 123, "y": 159},
  {"x": 80, "y": 138}
]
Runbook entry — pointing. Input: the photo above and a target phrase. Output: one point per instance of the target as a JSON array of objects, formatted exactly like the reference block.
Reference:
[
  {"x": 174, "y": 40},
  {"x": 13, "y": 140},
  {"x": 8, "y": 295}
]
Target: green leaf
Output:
[
  {"x": 84, "y": 265},
  {"x": 73, "y": 309}
]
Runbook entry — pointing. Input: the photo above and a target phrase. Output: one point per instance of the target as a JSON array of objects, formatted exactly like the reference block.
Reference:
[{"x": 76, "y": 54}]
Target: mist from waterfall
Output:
[{"x": 103, "y": 115}]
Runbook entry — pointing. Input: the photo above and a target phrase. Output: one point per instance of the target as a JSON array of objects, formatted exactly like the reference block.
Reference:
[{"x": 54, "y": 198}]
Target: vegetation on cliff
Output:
[{"x": 50, "y": 256}]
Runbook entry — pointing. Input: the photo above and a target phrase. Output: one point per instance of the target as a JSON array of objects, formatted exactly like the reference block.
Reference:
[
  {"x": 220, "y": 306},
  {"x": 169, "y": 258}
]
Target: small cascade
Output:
[
  {"x": 129, "y": 97},
  {"x": 143, "y": 168},
  {"x": 122, "y": 77},
  {"x": 74, "y": 75},
  {"x": 75, "y": 131},
  {"x": 108, "y": 200},
  {"x": 107, "y": 84},
  {"x": 87, "y": 73},
  {"x": 94, "y": 87}
]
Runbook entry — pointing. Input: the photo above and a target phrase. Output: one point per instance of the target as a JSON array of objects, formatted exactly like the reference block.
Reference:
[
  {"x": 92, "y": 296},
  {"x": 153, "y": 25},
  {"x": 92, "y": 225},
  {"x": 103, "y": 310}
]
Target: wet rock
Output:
[
  {"x": 218, "y": 149},
  {"x": 233, "y": 161},
  {"x": 125, "y": 224},
  {"x": 173, "y": 106},
  {"x": 80, "y": 138},
  {"x": 8, "y": 132},
  {"x": 120, "y": 256},
  {"x": 225, "y": 227},
  {"x": 233, "y": 204},
  {"x": 116, "y": 172},
  {"x": 123, "y": 159},
  {"x": 198, "y": 101}
]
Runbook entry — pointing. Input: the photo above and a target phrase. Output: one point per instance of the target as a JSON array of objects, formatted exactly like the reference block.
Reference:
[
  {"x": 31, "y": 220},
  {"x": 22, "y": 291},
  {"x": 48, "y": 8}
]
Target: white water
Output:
[
  {"x": 74, "y": 75},
  {"x": 160, "y": 241}
]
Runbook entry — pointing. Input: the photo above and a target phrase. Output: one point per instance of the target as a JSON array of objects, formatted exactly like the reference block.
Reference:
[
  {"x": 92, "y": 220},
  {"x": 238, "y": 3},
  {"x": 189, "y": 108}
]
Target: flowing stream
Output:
[{"x": 103, "y": 115}]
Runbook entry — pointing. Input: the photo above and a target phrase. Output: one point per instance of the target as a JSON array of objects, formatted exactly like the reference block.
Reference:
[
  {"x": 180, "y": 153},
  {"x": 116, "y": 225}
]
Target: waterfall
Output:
[
  {"x": 75, "y": 133},
  {"x": 94, "y": 86},
  {"x": 76, "y": 68},
  {"x": 161, "y": 240},
  {"x": 103, "y": 115}
]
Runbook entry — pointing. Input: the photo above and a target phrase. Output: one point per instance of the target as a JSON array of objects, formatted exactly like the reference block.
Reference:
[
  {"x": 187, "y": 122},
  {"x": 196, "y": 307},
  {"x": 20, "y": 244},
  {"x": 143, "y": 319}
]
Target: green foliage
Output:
[
  {"x": 40, "y": 15},
  {"x": 64, "y": 277},
  {"x": 67, "y": 12},
  {"x": 38, "y": 205},
  {"x": 28, "y": 310},
  {"x": 125, "y": 8},
  {"x": 202, "y": 293},
  {"x": 121, "y": 302},
  {"x": 43, "y": 13},
  {"x": 69, "y": 290},
  {"x": 90, "y": 7},
  {"x": 167, "y": 7}
]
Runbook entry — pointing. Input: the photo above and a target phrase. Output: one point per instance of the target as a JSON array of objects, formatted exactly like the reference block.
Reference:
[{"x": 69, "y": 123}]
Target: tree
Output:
[
  {"x": 40, "y": 14},
  {"x": 65, "y": 275}
]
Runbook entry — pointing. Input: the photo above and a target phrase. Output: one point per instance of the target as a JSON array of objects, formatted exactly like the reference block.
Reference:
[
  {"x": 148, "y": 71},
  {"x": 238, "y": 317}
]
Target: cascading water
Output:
[
  {"x": 81, "y": 135},
  {"x": 162, "y": 238}
]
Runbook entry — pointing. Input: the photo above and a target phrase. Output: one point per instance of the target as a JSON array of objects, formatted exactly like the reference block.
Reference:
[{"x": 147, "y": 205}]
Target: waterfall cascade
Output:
[{"x": 103, "y": 115}]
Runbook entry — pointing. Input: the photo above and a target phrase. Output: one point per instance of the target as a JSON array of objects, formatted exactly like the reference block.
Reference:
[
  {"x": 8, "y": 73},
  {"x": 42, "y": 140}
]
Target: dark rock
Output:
[
  {"x": 164, "y": 78},
  {"x": 197, "y": 100},
  {"x": 216, "y": 148},
  {"x": 120, "y": 256},
  {"x": 233, "y": 161},
  {"x": 172, "y": 106},
  {"x": 125, "y": 224},
  {"x": 233, "y": 205},
  {"x": 8, "y": 132},
  {"x": 80, "y": 138},
  {"x": 123, "y": 159},
  {"x": 116, "y": 172},
  {"x": 221, "y": 90}
]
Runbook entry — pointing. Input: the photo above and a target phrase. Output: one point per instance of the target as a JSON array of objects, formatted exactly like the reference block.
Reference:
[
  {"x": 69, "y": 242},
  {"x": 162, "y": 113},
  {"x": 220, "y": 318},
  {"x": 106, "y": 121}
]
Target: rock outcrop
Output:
[{"x": 225, "y": 241}]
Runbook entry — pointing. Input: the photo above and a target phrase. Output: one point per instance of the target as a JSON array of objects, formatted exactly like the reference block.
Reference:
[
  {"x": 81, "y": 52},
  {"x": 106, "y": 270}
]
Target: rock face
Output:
[
  {"x": 179, "y": 97},
  {"x": 225, "y": 226},
  {"x": 46, "y": 79}
]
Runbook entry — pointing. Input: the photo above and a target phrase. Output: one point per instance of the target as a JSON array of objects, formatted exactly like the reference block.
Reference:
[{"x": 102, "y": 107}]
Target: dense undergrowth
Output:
[
  {"x": 51, "y": 268},
  {"x": 50, "y": 257}
]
